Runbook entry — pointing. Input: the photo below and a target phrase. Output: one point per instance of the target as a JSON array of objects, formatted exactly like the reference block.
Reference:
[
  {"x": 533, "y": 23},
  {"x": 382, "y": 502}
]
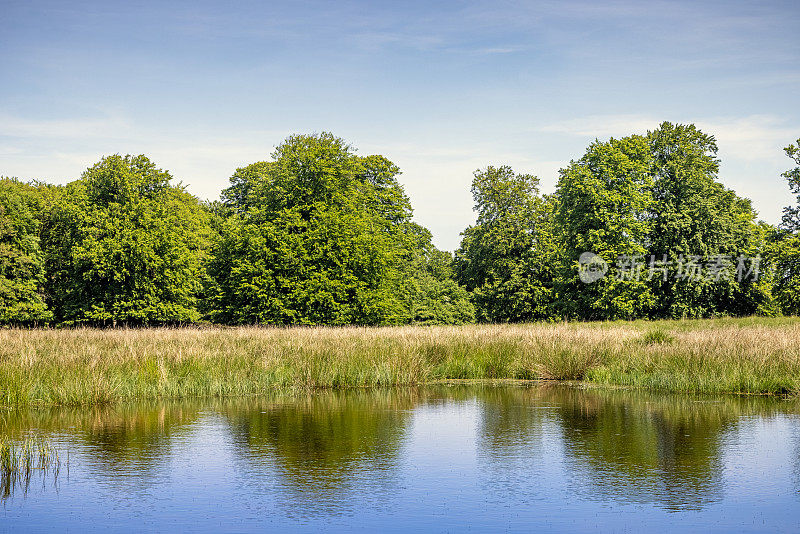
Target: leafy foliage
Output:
[
  {"x": 21, "y": 260},
  {"x": 125, "y": 246},
  {"x": 785, "y": 247},
  {"x": 635, "y": 202},
  {"x": 432, "y": 294},
  {"x": 694, "y": 215},
  {"x": 791, "y": 214},
  {"x": 503, "y": 258},
  {"x": 603, "y": 201},
  {"x": 320, "y": 235}
]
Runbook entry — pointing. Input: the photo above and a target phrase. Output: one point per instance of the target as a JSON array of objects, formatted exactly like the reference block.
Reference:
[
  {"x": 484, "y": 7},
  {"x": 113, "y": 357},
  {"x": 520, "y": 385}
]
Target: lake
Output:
[{"x": 438, "y": 458}]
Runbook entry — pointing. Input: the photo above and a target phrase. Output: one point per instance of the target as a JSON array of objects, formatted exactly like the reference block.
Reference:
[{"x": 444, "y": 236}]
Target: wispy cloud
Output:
[
  {"x": 375, "y": 41},
  {"x": 81, "y": 127},
  {"x": 498, "y": 50}
]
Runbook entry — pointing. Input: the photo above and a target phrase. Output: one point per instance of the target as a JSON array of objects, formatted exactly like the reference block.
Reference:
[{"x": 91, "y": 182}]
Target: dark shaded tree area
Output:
[{"x": 321, "y": 235}]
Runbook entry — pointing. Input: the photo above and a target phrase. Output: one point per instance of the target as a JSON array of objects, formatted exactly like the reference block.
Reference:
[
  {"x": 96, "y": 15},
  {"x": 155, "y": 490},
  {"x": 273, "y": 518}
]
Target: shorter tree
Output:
[
  {"x": 432, "y": 295},
  {"x": 505, "y": 258}
]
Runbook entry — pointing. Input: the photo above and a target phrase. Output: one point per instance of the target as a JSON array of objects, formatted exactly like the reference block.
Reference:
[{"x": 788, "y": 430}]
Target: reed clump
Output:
[
  {"x": 21, "y": 460},
  {"x": 93, "y": 366}
]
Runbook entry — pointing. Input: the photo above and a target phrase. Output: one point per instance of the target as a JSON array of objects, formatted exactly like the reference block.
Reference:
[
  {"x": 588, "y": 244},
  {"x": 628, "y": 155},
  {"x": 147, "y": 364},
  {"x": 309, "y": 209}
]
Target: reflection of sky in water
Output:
[{"x": 441, "y": 458}]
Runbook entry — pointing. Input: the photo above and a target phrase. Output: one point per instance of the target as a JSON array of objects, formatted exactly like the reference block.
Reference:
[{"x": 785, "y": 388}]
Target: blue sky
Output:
[{"x": 441, "y": 88}]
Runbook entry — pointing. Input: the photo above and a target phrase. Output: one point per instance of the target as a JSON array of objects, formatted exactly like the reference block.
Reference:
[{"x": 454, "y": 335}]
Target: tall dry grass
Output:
[{"x": 90, "y": 366}]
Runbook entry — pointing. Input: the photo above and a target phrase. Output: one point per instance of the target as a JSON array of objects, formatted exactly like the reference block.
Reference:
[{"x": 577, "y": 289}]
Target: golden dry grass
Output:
[{"x": 90, "y": 366}]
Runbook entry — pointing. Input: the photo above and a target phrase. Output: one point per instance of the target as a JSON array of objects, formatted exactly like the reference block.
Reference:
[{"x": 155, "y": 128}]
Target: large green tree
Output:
[
  {"x": 677, "y": 242},
  {"x": 505, "y": 257},
  {"x": 21, "y": 260},
  {"x": 694, "y": 218},
  {"x": 124, "y": 246},
  {"x": 318, "y": 235},
  {"x": 603, "y": 202}
]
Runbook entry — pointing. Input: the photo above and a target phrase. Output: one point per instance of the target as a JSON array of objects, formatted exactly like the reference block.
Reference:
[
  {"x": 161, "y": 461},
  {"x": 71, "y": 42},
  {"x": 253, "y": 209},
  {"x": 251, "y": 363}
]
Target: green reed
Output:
[{"x": 21, "y": 460}]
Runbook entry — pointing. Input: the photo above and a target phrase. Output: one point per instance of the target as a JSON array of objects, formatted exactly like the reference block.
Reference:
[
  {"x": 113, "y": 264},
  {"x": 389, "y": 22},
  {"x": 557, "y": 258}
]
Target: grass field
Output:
[{"x": 89, "y": 366}]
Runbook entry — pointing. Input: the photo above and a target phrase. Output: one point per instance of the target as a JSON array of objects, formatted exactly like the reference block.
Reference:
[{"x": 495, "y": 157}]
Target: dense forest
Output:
[{"x": 638, "y": 227}]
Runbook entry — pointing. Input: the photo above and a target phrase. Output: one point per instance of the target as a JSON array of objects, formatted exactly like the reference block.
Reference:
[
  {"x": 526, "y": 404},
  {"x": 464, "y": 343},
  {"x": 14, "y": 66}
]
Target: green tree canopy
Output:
[
  {"x": 505, "y": 258},
  {"x": 321, "y": 235},
  {"x": 651, "y": 207},
  {"x": 603, "y": 202},
  {"x": 125, "y": 246},
  {"x": 647, "y": 206},
  {"x": 432, "y": 294},
  {"x": 785, "y": 249},
  {"x": 318, "y": 235},
  {"x": 791, "y": 214},
  {"x": 695, "y": 215}
]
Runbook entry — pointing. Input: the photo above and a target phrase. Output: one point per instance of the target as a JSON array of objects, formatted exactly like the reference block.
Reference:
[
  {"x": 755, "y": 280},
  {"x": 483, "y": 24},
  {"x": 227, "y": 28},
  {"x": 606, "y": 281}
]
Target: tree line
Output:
[{"x": 320, "y": 235}]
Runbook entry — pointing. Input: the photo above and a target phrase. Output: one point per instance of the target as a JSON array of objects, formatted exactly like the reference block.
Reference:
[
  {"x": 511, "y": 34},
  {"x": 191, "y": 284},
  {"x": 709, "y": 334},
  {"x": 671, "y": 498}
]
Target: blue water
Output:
[{"x": 480, "y": 458}]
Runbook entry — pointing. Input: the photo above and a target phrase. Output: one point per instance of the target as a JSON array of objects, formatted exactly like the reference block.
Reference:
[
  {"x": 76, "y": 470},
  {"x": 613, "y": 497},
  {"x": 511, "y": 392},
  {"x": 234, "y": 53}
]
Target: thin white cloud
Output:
[
  {"x": 22, "y": 127},
  {"x": 497, "y": 50},
  {"x": 10, "y": 150},
  {"x": 374, "y": 41}
]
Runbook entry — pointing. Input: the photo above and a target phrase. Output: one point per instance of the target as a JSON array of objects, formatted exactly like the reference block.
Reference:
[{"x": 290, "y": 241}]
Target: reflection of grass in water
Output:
[{"x": 19, "y": 461}]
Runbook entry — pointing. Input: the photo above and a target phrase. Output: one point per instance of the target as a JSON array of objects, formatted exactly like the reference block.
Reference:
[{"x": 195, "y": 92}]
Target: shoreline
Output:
[{"x": 48, "y": 367}]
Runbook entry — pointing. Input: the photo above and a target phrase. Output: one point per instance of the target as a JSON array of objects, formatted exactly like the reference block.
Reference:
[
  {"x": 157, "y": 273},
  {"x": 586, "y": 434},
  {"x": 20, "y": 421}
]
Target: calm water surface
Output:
[{"x": 440, "y": 458}]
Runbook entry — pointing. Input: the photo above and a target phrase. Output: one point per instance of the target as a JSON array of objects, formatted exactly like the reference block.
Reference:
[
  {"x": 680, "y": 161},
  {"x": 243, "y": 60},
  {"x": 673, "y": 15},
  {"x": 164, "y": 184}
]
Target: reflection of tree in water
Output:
[
  {"x": 329, "y": 452},
  {"x": 136, "y": 440},
  {"x": 634, "y": 447},
  {"x": 509, "y": 442},
  {"x": 511, "y": 423},
  {"x": 510, "y": 418},
  {"x": 125, "y": 439},
  {"x": 324, "y": 445}
]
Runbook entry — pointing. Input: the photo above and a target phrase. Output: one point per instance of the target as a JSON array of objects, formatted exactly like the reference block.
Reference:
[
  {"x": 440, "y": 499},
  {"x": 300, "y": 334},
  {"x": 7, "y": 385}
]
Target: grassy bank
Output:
[{"x": 88, "y": 366}]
